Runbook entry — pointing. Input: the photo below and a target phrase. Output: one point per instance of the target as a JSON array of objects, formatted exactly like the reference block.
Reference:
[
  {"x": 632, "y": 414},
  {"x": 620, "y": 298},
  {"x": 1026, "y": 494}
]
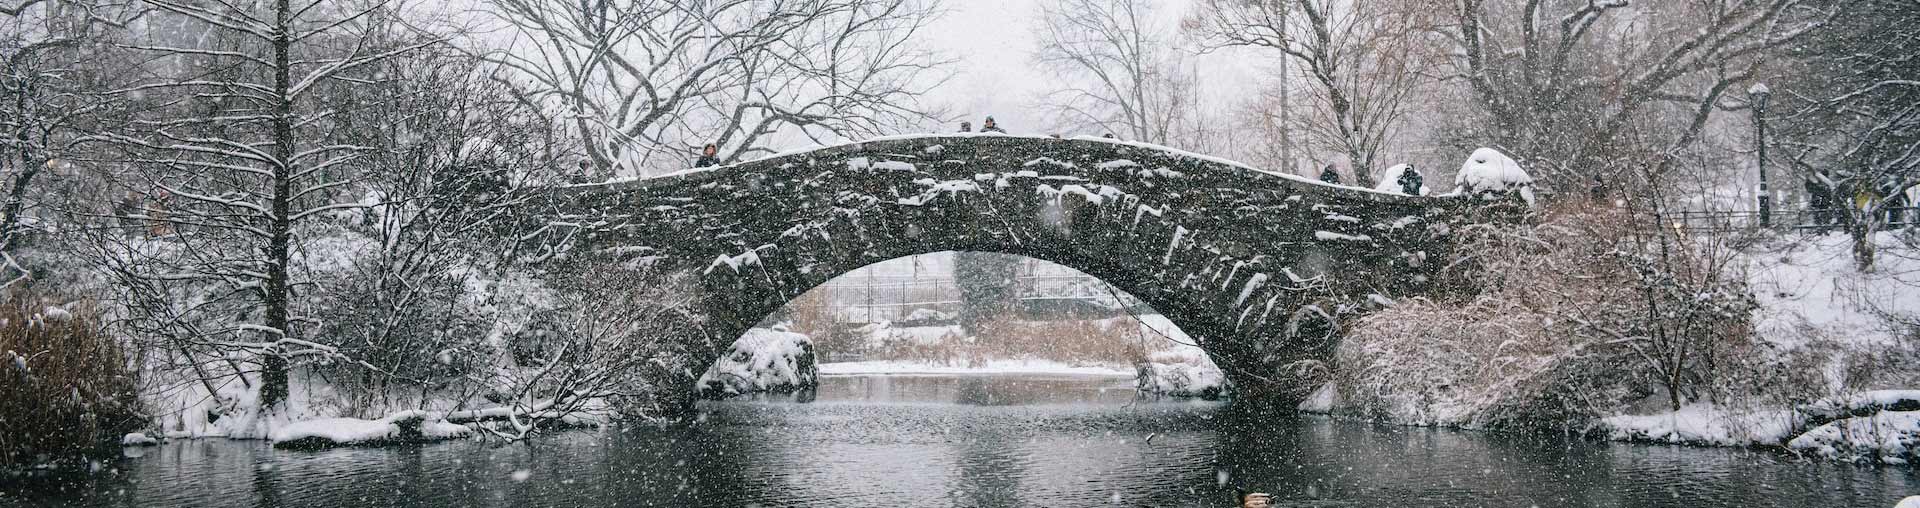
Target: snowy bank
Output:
[
  {"x": 1704, "y": 424},
  {"x": 411, "y": 426},
  {"x": 989, "y": 367},
  {"x": 763, "y": 360}
]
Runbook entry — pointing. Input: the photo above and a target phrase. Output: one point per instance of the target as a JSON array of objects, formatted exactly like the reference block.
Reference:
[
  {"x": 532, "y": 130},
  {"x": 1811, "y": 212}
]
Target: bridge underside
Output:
[{"x": 1255, "y": 267}]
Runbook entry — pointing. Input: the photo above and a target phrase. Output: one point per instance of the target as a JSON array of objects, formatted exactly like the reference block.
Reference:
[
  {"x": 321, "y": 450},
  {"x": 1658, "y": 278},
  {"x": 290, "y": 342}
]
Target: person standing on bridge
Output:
[
  {"x": 966, "y": 126},
  {"x": 709, "y": 157},
  {"x": 1411, "y": 181},
  {"x": 1329, "y": 175},
  {"x": 989, "y": 126}
]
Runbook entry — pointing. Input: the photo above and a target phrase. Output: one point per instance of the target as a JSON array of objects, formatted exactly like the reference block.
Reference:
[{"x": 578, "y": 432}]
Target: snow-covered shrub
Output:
[
  {"x": 65, "y": 391},
  {"x": 1551, "y": 323},
  {"x": 617, "y": 352},
  {"x": 763, "y": 360}
]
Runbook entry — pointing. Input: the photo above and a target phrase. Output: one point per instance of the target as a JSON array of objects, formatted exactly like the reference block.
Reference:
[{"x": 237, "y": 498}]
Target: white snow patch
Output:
[
  {"x": 1327, "y": 236},
  {"x": 1703, "y": 423},
  {"x": 1490, "y": 174},
  {"x": 138, "y": 439}
]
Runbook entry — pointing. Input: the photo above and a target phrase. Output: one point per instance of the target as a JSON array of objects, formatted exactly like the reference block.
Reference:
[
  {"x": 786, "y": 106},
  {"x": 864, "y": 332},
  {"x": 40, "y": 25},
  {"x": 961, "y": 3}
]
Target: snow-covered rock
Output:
[
  {"x": 763, "y": 360},
  {"x": 138, "y": 439},
  {"x": 1890, "y": 437},
  {"x": 1489, "y": 174},
  {"x": 1185, "y": 371},
  {"x": 411, "y": 426}
]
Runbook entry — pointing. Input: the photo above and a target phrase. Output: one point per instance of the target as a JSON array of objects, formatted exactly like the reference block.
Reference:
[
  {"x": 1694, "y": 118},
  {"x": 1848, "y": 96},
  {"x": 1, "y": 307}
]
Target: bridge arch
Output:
[{"x": 1231, "y": 254}]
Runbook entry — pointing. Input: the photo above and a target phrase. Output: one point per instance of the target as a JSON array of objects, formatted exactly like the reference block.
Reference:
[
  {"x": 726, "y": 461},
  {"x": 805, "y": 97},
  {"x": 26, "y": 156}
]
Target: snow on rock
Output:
[
  {"x": 1328, "y": 236},
  {"x": 1703, "y": 424},
  {"x": 1909, "y": 502},
  {"x": 1890, "y": 437},
  {"x": 411, "y": 426},
  {"x": 1489, "y": 174},
  {"x": 1322, "y": 400},
  {"x": 138, "y": 439},
  {"x": 763, "y": 360},
  {"x": 1185, "y": 371}
]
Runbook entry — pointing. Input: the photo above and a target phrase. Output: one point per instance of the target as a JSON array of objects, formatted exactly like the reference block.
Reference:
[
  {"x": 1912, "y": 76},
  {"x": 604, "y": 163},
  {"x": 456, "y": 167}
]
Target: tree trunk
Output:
[{"x": 273, "y": 376}]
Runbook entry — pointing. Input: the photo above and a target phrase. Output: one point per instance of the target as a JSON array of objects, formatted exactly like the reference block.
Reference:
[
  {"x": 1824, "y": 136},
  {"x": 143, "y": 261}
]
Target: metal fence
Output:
[{"x": 1722, "y": 222}]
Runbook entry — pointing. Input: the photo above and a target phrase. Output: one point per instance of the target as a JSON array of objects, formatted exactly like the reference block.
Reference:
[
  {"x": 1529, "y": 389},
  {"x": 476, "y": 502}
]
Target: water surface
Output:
[{"x": 976, "y": 441}]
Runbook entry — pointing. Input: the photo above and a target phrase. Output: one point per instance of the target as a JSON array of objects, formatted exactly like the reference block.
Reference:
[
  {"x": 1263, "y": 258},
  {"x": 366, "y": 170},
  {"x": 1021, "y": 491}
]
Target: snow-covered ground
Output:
[
  {"x": 1813, "y": 302},
  {"x": 991, "y": 366}
]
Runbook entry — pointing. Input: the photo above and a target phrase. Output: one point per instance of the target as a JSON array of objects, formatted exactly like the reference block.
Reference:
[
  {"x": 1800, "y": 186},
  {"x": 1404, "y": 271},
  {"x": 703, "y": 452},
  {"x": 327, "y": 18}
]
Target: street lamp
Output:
[{"x": 1758, "y": 94}]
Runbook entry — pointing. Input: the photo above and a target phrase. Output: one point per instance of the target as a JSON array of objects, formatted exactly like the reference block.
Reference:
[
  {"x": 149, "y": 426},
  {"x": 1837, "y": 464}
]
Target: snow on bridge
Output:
[{"x": 1257, "y": 267}]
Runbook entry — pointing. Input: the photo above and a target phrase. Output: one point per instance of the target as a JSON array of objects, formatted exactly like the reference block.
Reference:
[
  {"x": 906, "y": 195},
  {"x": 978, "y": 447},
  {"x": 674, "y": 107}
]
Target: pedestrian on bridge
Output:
[
  {"x": 1329, "y": 175},
  {"x": 1411, "y": 182},
  {"x": 989, "y": 126},
  {"x": 966, "y": 126},
  {"x": 709, "y": 157}
]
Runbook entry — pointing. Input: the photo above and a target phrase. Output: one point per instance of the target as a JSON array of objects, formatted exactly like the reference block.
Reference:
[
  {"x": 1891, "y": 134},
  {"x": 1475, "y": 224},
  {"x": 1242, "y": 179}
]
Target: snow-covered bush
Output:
[
  {"x": 763, "y": 360},
  {"x": 1555, "y": 323},
  {"x": 65, "y": 391},
  {"x": 617, "y": 352}
]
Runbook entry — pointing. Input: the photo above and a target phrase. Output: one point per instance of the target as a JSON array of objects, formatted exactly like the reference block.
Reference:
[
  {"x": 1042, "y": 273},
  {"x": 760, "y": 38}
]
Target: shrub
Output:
[{"x": 65, "y": 390}]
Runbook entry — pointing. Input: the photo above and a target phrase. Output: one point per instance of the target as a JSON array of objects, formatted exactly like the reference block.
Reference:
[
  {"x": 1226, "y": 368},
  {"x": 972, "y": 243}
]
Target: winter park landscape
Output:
[{"x": 1460, "y": 253}]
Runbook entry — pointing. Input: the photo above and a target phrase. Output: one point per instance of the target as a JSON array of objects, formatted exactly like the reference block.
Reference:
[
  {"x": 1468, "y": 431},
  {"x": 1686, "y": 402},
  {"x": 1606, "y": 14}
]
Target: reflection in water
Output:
[{"x": 976, "y": 441}]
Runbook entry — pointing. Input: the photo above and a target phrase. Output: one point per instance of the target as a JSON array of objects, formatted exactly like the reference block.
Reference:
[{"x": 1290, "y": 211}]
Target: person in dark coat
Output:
[
  {"x": 1329, "y": 175},
  {"x": 1819, "y": 202},
  {"x": 989, "y": 126},
  {"x": 709, "y": 157},
  {"x": 966, "y": 126},
  {"x": 1411, "y": 181},
  {"x": 1897, "y": 214}
]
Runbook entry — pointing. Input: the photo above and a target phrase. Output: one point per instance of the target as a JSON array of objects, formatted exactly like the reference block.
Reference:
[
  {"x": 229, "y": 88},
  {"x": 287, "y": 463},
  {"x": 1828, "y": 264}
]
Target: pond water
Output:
[{"x": 975, "y": 441}]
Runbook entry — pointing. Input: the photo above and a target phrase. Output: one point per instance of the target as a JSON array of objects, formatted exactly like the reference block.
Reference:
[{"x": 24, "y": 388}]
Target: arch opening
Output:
[{"x": 965, "y": 312}]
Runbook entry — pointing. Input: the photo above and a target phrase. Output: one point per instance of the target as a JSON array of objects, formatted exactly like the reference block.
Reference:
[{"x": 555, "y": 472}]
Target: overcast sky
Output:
[{"x": 994, "y": 41}]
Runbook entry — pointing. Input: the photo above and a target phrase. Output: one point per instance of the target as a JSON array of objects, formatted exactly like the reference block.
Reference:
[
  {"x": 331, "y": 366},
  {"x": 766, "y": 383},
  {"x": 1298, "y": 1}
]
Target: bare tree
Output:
[
  {"x": 1592, "y": 89},
  {"x": 52, "y": 78},
  {"x": 1850, "y": 114},
  {"x": 646, "y": 82},
  {"x": 239, "y": 157},
  {"x": 1361, "y": 60},
  {"x": 1125, "y": 77}
]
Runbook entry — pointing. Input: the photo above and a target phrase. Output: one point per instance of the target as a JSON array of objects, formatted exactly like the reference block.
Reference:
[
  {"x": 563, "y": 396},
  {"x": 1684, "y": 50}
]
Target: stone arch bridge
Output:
[{"x": 1256, "y": 267}]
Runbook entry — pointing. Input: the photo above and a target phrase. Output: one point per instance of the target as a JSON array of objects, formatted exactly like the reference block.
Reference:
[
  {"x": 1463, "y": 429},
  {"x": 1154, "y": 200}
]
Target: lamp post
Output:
[{"x": 1758, "y": 94}]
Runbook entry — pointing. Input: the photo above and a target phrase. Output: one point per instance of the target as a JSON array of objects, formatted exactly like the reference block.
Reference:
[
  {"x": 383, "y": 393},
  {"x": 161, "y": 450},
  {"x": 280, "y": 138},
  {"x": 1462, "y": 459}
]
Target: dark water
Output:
[{"x": 976, "y": 441}]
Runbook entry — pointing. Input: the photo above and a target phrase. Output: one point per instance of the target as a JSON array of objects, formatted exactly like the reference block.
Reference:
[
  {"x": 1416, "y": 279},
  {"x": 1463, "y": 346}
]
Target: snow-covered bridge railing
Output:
[{"x": 1256, "y": 266}]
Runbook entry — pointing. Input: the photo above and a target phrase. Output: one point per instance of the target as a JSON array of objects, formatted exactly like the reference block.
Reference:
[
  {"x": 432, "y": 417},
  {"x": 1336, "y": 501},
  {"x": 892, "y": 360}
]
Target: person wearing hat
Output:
[
  {"x": 709, "y": 156},
  {"x": 989, "y": 126},
  {"x": 966, "y": 126}
]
